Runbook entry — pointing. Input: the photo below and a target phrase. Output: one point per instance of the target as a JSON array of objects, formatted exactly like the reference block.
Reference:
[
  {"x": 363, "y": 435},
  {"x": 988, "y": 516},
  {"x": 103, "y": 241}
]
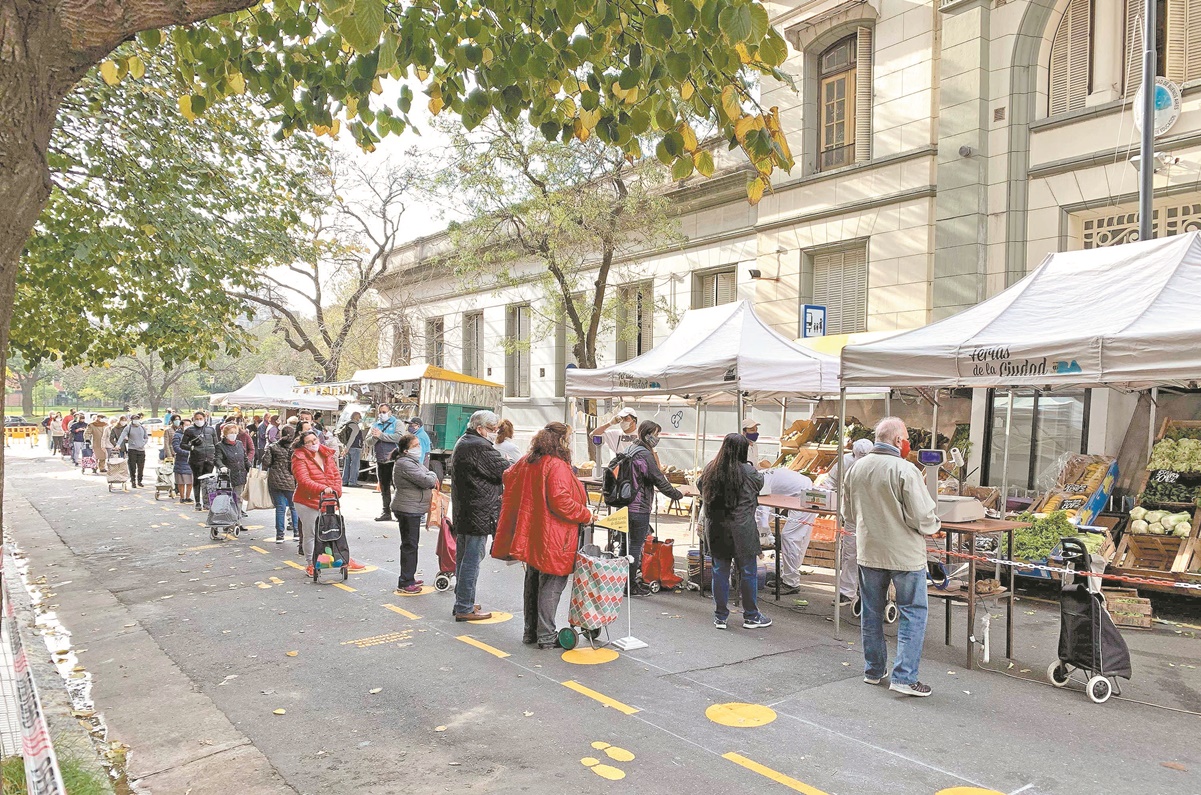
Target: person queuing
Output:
[
  {"x": 647, "y": 478},
  {"x": 200, "y": 443},
  {"x": 797, "y": 530},
  {"x": 416, "y": 426},
  {"x": 476, "y": 471},
  {"x": 54, "y": 431},
  {"x": 618, "y": 433},
  {"x": 97, "y": 435},
  {"x": 505, "y": 444},
  {"x": 385, "y": 434},
  {"x": 132, "y": 443},
  {"x": 281, "y": 484},
  {"x": 412, "y": 488},
  {"x": 543, "y": 506},
  {"x": 78, "y": 430},
  {"x": 231, "y": 454},
  {"x": 181, "y": 469},
  {"x": 848, "y": 581},
  {"x": 351, "y": 437},
  {"x": 750, "y": 429},
  {"x": 315, "y": 468},
  {"x": 247, "y": 440},
  {"x": 271, "y": 434},
  {"x": 260, "y": 438},
  {"x": 887, "y": 502},
  {"x": 730, "y": 491}
]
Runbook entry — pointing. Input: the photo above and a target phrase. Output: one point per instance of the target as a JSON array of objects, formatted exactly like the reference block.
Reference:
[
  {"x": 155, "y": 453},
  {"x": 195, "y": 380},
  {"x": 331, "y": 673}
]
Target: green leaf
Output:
[
  {"x": 736, "y": 23},
  {"x": 681, "y": 169},
  {"x": 387, "y": 53},
  {"x": 759, "y": 22},
  {"x": 663, "y": 154},
  {"x": 629, "y": 78},
  {"x": 679, "y": 65},
  {"x": 774, "y": 50},
  {"x": 361, "y": 24},
  {"x": 704, "y": 163},
  {"x": 566, "y": 11},
  {"x": 684, "y": 13}
]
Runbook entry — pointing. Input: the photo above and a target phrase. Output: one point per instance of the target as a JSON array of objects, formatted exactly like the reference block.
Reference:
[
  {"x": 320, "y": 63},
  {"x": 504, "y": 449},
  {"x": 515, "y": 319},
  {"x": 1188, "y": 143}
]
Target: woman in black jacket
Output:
[
  {"x": 231, "y": 454},
  {"x": 730, "y": 491},
  {"x": 277, "y": 460}
]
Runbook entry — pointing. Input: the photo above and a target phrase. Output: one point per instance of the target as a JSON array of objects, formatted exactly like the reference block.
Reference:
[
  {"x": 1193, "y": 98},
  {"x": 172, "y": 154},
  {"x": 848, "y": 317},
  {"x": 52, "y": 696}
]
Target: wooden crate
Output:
[
  {"x": 1127, "y": 608},
  {"x": 820, "y": 554},
  {"x": 1170, "y": 423},
  {"x": 1149, "y": 553}
]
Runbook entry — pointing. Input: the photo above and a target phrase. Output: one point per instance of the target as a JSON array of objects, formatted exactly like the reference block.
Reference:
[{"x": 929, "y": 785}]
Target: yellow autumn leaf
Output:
[
  {"x": 422, "y": 73},
  {"x": 754, "y": 190},
  {"x": 137, "y": 68},
  {"x": 703, "y": 162},
  {"x": 743, "y": 126},
  {"x": 291, "y": 653},
  {"x": 352, "y": 107},
  {"x": 590, "y": 118},
  {"x": 743, "y": 54},
  {"x": 571, "y": 85},
  {"x": 320, "y": 129},
  {"x": 618, "y": 91},
  {"x": 568, "y": 106},
  {"x": 581, "y": 131},
  {"x": 436, "y": 104},
  {"x": 689, "y": 137},
  {"x": 336, "y": 128},
  {"x": 687, "y": 90},
  {"x": 488, "y": 56},
  {"x": 108, "y": 72},
  {"x": 185, "y": 107},
  {"x": 662, "y": 7},
  {"x": 237, "y": 83},
  {"x": 730, "y": 104},
  {"x": 377, "y": 87}
]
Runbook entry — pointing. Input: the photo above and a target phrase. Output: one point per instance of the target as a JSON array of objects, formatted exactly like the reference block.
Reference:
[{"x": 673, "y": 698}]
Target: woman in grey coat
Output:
[{"x": 412, "y": 487}]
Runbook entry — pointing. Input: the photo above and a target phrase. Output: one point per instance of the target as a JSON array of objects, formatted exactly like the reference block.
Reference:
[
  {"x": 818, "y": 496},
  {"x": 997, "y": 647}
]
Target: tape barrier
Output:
[{"x": 42, "y": 776}]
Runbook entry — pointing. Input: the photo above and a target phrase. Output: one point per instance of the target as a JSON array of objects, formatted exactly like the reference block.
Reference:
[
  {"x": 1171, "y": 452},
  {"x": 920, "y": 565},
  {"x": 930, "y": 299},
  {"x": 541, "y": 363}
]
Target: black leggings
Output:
[{"x": 137, "y": 466}]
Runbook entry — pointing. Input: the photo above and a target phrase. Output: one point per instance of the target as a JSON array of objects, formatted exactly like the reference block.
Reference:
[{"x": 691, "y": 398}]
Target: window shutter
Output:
[
  {"x": 510, "y": 356},
  {"x": 1134, "y": 46},
  {"x": 727, "y": 289},
  {"x": 1176, "y": 58},
  {"x": 855, "y": 303},
  {"x": 863, "y": 95},
  {"x": 646, "y": 318},
  {"x": 523, "y": 335},
  {"x": 824, "y": 267},
  {"x": 623, "y": 325},
  {"x": 1192, "y": 40},
  {"x": 840, "y": 285},
  {"x": 1070, "y": 59}
]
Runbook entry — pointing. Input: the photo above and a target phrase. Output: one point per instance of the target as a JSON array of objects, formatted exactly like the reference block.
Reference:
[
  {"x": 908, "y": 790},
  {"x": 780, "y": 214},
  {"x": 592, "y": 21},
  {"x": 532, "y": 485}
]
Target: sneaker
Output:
[
  {"x": 410, "y": 590},
  {"x": 309, "y": 571},
  {"x": 872, "y": 680},
  {"x": 356, "y": 566},
  {"x": 758, "y": 622},
  {"x": 719, "y": 623},
  {"x": 846, "y": 601},
  {"x": 279, "y": 539},
  {"x": 383, "y": 517},
  {"x": 915, "y": 689},
  {"x": 786, "y": 589}
]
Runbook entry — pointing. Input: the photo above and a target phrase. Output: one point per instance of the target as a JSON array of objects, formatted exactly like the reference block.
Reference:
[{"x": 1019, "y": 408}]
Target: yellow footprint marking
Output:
[
  {"x": 619, "y": 754},
  {"x": 604, "y": 771}
]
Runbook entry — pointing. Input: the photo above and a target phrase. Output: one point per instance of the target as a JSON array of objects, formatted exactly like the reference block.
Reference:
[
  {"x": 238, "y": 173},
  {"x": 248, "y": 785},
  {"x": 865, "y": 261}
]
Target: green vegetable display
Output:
[
  {"x": 1182, "y": 455},
  {"x": 1169, "y": 492},
  {"x": 1036, "y": 541},
  {"x": 1176, "y": 433}
]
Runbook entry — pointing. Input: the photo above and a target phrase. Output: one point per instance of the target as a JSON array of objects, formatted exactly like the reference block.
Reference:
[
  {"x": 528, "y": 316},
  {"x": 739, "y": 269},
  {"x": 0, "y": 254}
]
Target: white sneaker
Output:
[
  {"x": 758, "y": 623},
  {"x": 719, "y": 624},
  {"x": 872, "y": 680},
  {"x": 915, "y": 689}
]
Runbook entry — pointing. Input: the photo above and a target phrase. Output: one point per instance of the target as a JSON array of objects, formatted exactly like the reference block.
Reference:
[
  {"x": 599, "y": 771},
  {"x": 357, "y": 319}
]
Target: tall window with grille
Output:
[
  {"x": 635, "y": 320},
  {"x": 435, "y": 342},
  {"x": 517, "y": 351},
  {"x": 844, "y": 101},
  {"x": 473, "y": 344},
  {"x": 715, "y": 288},
  {"x": 840, "y": 285}
]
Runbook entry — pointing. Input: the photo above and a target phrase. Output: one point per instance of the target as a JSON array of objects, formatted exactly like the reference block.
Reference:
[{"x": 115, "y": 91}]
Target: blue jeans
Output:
[
  {"x": 283, "y": 504},
  {"x": 350, "y": 471},
  {"x": 748, "y": 570},
  {"x": 469, "y": 551},
  {"x": 911, "y": 631}
]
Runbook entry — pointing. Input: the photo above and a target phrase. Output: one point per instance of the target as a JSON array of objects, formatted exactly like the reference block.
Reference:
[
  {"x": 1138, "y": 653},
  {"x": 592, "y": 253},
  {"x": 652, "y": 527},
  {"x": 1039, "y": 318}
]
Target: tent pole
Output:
[
  {"x": 838, "y": 490},
  {"x": 696, "y": 443},
  {"x": 888, "y": 403},
  {"x": 934, "y": 427},
  {"x": 738, "y": 419},
  {"x": 1005, "y": 464},
  {"x": 783, "y": 424},
  {"x": 1151, "y": 424}
]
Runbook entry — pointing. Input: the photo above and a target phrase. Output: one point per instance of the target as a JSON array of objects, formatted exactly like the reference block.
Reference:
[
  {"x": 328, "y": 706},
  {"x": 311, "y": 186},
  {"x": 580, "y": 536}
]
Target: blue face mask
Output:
[{"x": 751, "y": 437}]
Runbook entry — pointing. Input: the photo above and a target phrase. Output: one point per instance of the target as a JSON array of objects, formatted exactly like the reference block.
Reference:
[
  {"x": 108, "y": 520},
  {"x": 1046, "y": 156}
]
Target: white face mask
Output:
[
  {"x": 313, "y": 445},
  {"x": 383, "y": 416},
  {"x": 137, "y": 423},
  {"x": 491, "y": 436},
  {"x": 198, "y": 423},
  {"x": 231, "y": 437},
  {"x": 414, "y": 453}
]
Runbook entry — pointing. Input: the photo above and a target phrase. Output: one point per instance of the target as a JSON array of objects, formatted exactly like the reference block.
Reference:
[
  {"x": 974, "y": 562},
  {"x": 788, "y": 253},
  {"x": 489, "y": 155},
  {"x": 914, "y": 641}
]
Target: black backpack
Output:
[{"x": 617, "y": 482}]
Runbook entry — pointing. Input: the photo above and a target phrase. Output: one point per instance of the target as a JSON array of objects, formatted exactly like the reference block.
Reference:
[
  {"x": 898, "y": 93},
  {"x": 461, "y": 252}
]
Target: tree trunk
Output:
[{"x": 27, "y": 387}]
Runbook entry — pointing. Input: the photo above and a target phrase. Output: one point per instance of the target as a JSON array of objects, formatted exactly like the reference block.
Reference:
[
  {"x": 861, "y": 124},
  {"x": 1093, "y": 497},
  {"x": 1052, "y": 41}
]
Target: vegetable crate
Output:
[
  {"x": 1127, "y": 609},
  {"x": 1189, "y": 429},
  {"x": 1162, "y": 557}
]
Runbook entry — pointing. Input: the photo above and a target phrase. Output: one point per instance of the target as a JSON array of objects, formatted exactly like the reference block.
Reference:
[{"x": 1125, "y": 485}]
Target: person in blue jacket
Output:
[{"x": 417, "y": 428}]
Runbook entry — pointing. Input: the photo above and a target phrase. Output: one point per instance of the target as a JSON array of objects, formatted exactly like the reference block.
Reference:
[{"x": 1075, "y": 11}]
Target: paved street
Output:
[{"x": 193, "y": 645}]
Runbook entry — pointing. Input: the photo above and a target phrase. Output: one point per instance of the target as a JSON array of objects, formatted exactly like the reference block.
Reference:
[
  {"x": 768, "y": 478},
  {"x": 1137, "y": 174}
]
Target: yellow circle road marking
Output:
[
  {"x": 619, "y": 754},
  {"x": 425, "y": 590},
  {"x": 600, "y": 745},
  {"x": 604, "y": 771},
  {"x": 364, "y": 570},
  {"x": 589, "y": 656},
  {"x": 968, "y": 791},
  {"x": 740, "y": 715},
  {"x": 498, "y": 617}
]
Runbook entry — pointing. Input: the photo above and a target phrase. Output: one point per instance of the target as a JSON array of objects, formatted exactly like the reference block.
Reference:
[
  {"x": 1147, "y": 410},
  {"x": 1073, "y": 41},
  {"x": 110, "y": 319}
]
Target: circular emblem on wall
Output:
[{"x": 1167, "y": 106}]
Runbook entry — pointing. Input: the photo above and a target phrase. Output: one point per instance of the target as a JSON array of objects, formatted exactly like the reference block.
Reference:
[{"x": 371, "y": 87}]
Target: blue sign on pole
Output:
[{"x": 813, "y": 321}]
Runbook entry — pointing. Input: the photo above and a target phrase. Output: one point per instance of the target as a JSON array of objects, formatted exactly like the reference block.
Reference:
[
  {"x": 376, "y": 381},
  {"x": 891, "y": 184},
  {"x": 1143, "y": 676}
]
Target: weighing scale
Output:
[{"x": 951, "y": 508}]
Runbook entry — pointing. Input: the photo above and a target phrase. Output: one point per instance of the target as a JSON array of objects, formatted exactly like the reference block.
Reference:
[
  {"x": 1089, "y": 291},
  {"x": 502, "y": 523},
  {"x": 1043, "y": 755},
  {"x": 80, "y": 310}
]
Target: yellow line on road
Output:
[
  {"x": 345, "y": 587},
  {"x": 260, "y": 549},
  {"x": 184, "y": 516},
  {"x": 206, "y": 546},
  {"x": 402, "y": 611},
  {"x": 294, "y": 564},
  {"x": 276, "y": 580},
  {"x": 495, "y": 652},
  {"x": 776, "y": 776},
  {"x": 601, "y": 697}
]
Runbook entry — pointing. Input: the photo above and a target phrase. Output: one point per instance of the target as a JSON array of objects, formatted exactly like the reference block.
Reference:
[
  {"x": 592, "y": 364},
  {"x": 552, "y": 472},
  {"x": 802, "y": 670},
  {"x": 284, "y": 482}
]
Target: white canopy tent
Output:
[
  {"x": 274, "y": 391},
  {"x": 715, "y": 355},
  {"x": 1125, "y": 317}
]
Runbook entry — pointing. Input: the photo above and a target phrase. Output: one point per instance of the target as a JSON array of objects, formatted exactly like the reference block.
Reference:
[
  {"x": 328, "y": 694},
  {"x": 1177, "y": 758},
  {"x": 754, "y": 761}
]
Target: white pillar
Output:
[{"x": 1109, "y": 19}]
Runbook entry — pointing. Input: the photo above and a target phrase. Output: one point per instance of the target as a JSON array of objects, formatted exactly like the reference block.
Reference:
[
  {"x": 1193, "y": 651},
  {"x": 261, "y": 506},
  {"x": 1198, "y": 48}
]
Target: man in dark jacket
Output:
[
  {"x": 281, "y": 483},
  {"x": 200, "y": 442},
  {"x": 476, "y": 468}
]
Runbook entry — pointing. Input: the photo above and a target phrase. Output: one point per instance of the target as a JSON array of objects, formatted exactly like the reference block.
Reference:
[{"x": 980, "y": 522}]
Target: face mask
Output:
[
  {"x": 312, "y": 445},
  {"x": 751, "y": 437},
  {"x": 383, "y": 415},
  {"x": 490, "y": 436},
  {"x": 651, "y": 441},
  {"x": 123, "y": 422},
  {"x": 231, "y": 437},
  {"x": 414, "y": 453},
  {"x": 198, "y": 423},
  {"x": 176, "y": 423},
  {"x": 137, "y": 423},
  {"x": 905, "y": 448}
]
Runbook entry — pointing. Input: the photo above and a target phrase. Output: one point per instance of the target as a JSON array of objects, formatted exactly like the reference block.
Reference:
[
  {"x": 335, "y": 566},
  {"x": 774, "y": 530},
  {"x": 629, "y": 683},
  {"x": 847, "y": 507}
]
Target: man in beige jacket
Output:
[{"x": 887, "y": 502}]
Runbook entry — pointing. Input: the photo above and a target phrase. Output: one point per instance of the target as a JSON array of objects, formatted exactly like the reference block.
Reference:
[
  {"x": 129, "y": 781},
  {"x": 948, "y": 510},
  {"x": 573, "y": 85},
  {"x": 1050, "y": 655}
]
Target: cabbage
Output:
[
  {"x": 1156, "y": 529},
  {"x": 1138, "y": 513},
  {"x": 1179, "y": 518},
  {"x": 1153, "y": 517},
  {"x": 1138, "y": 526},
  {"x": 1182, "y": 530}
]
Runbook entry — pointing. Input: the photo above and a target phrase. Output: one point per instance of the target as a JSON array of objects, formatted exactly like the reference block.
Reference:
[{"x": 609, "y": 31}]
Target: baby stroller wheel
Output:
[
  {"x": 567, "y": 638},
  {"x": 1058, "y": 673},
  {"x": 442, "y": 583},
  {"x": 890, "y": 612},
  {"x": 655, "y": 586},
  {"x": 857, "y": 607},
  {"x": 1099, "y": 689}
]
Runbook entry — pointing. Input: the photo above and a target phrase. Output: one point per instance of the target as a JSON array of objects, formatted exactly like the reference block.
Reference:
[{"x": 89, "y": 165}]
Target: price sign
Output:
[
  {"x": 1072, "y": 505},
  {"x": 1076, "y": 488},
  {"x": 1165, "y": 476}
]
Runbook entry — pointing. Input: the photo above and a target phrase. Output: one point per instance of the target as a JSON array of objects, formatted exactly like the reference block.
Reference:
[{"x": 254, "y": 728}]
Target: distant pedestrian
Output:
[
  {"x": 247, "y": 440},
  {"x": 132, "y": 442},
  {"x": 281, "y": 483},
  {"x": 260, "y": 438},
  {"x": 412, "y": 485},
  {"x": 730, "y": 492},
  {"x": 385, "y": 433},
  {"x": 78, "y": 429},
  {"x": 350, "y": 436},
  {"x": 181, "y": 469},
  {"x": 272, "y": 432},
  {"x": 416, "y": 427},
  {"x": 505, "y": 443},
  {"x": 543, "y": 507},
  {"x": 887, "y": 502},
  {"x": 476, "y": 469},
  {"x": 231, "y": 454},
  {"x": 54, "y": 431}
]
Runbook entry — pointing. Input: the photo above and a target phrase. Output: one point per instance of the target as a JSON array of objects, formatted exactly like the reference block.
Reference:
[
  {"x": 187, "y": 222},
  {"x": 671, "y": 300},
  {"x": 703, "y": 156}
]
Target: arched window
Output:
[
  {"x": 1069, "y": 82},
  {"x": 844, "y": 101},
  {"x": 1178, "y": 41}
]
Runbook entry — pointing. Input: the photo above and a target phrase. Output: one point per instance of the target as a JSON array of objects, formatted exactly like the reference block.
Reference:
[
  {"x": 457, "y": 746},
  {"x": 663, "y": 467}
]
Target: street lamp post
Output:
[{"x": 1146, "y": 172}]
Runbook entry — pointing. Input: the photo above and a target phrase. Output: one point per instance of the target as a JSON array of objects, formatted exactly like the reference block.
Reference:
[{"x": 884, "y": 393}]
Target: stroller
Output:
[
  {"x": 164, "y": 481},
  {"x": 598, "y": 588},
  {"x": 118, "y": 472},
  {"x": 225, "y": 514},
  {"x": 1088, "y": 639},
  {"x": 88, "y": 459},
  {"x": 330, "y": 550}
]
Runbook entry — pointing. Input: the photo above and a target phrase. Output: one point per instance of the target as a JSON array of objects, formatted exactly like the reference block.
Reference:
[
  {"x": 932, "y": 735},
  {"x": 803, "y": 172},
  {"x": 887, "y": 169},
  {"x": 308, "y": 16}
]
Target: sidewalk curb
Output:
[{"x": 180, "y": 740}]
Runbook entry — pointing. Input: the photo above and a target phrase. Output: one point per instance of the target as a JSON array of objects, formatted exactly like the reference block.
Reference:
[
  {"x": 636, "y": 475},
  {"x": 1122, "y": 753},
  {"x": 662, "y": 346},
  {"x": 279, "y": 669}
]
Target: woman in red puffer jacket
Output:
[
  {"x": 315, "y": 468},
  {"x": 543, "y": 506}
]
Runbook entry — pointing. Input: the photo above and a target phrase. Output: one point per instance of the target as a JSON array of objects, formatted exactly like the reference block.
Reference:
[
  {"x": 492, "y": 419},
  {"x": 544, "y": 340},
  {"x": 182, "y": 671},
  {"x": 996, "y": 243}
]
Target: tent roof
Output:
[
  {"x": 414, "y": 372},
  {"x": 275, "y": 390},
  {"x": 1123, "y": 316},
  {"x": 715, "y": 351}
]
